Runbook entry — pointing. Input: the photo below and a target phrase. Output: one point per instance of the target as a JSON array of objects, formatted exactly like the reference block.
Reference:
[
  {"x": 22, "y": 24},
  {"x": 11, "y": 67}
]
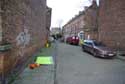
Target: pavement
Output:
[
  {"x": 41, "y": 75},
  {"x": 120, "y": 57}
]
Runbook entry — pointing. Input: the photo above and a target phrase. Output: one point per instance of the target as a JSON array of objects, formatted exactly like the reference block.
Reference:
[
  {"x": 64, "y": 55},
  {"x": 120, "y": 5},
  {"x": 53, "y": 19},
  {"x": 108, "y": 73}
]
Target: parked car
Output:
[
  {"x": 73, "y": 40},
  {"x": 98, "y": 49}
]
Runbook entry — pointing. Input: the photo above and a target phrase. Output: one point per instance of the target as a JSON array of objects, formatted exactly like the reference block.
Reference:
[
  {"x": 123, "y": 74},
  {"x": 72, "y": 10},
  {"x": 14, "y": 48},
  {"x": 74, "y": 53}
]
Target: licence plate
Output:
[{"x": 111, "y": 54}]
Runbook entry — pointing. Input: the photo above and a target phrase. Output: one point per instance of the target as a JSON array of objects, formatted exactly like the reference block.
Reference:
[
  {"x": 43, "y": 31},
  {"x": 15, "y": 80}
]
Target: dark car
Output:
[
  {"x": 98, "y": 49},
  {"x": 73, "y": 40}
]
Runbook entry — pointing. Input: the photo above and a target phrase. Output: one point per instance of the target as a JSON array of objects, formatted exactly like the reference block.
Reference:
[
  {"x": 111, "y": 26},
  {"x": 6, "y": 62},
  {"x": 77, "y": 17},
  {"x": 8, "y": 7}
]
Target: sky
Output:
[{"x": 64, "y": 10}]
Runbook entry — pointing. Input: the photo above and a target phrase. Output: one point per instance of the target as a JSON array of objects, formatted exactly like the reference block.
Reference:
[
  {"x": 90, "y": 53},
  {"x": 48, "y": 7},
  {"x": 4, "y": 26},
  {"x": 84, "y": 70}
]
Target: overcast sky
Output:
[{"x": 64, "y": 10}]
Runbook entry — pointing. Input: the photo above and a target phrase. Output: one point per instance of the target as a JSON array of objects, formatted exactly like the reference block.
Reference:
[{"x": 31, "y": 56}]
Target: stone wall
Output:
[
  {"x": 112, "y": 23},
  {"x": 23, "y": 32}
]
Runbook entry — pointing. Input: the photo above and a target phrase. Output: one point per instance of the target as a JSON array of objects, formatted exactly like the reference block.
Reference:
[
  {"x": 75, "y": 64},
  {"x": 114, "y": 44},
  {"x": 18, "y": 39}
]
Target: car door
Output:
[
  {"x": 90, "y": 47},
  {"x": 85, "y": 45}
]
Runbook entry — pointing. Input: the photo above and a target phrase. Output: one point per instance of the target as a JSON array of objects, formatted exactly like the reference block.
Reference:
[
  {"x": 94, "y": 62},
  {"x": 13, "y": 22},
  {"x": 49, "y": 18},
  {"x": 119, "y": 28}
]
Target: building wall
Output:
[
  {"x": 48, "y": 20},
  {"x": 1, "y": 58},
  {"x": 112, "y": 23},
  {"x": 55, "y": 30},
  {"x": 74, "y": 26},
  {"x": 24, "y": 29},
  {"x": 91, "y": 22}
]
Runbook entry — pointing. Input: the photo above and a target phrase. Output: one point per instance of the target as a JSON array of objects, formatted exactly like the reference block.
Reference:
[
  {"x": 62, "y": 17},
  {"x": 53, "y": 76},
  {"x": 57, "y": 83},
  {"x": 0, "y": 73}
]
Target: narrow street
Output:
[
  {"x": 35, "y": 38},
  {"x": 77, "y": 67}
]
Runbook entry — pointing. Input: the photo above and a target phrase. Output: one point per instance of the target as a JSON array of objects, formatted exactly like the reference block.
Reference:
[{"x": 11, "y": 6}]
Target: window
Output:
[
  {"x": 98, "y": 44},
  {"x": 88, "y": 43}
]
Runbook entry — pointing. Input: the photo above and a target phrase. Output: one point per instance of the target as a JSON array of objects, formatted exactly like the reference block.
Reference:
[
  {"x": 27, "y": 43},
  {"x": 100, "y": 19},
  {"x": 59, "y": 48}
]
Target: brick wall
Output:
[
  {"x": 74, "y": 26},
  {"x": 24, "y": 29},
  {"x": 48, "y": 20},
  {"x": 91, "y": 23},
  {"x": 112, "y": 23},
  {"x": 1, "y": 58},
  {"x": 91, "y": 35}
]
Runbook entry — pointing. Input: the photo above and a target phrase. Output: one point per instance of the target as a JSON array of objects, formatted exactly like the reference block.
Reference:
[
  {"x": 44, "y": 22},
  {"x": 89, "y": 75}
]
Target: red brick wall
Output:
[
  {"x": 112, "y": 23},
  {"x": 90, "y": 27},
  {"x": 75, "y": 25},
  {"x": 93, "y": 35},
  {"x": 24, "y": 27},
  {"x": 48, "y": 20}
]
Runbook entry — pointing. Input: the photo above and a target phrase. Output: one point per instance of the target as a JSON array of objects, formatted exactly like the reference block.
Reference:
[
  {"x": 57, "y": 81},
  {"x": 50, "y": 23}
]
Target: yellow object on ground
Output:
[
  {"x": 47, "y": 45},
  {"x": 44, "y": 60},
  {"x": 81, "y": 42}
]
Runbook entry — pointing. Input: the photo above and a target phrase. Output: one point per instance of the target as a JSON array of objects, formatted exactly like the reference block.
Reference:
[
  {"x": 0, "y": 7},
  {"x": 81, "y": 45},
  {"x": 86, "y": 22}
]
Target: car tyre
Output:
[
  {"x": 94, "y": 54},
  {"x": 83, "y": 49}
]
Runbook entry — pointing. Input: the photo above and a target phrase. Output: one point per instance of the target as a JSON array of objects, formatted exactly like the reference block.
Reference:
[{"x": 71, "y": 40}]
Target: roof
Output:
[{"x": 80, "y": 13}]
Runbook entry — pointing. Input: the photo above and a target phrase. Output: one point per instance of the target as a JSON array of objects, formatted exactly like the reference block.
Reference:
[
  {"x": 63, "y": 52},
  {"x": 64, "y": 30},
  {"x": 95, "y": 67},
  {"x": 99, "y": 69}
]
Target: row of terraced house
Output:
[
  {"x": 104, "y": 22},
  {"x": 24, "y": 29}
]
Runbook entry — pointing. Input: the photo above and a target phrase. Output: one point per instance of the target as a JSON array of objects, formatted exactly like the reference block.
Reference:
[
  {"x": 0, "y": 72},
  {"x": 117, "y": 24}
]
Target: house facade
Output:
[
  {"x": 74, "y": 26},
  {"x": 112, "y": 23},
  {"x": 55, "y": 30},
  {"x": 91, "y": 21}
]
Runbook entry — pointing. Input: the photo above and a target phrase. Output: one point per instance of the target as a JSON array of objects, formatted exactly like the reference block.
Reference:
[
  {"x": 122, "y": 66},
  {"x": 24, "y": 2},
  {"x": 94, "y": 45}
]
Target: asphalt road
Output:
[{"x": 77, "y": 67}]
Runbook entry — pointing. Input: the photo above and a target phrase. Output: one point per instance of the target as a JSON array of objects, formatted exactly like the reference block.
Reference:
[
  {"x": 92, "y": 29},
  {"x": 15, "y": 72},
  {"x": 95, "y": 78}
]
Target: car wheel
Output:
[
  {"x": 94, "y": 54},
  {"x": 83, "y": 49}
]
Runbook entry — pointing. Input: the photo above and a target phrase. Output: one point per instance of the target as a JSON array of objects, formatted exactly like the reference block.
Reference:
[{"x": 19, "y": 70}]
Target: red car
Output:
[{"x": 73, "y": 40}]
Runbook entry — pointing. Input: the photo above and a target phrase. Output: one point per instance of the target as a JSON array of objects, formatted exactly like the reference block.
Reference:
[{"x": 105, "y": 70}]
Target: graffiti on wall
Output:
[{"x": 23, "y": 39}]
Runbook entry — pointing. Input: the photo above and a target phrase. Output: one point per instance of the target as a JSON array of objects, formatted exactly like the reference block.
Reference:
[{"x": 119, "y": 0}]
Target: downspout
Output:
[{"x": 97, "y": 21}]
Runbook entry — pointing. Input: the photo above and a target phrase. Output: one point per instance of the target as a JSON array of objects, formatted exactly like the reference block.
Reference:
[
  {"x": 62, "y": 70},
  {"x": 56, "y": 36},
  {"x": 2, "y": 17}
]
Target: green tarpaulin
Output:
[{"x": 44, "y": 60}]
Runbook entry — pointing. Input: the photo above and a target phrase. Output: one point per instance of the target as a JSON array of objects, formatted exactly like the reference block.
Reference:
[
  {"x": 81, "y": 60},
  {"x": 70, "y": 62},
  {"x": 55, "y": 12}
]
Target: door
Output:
[{"x": 89, "y": 47}]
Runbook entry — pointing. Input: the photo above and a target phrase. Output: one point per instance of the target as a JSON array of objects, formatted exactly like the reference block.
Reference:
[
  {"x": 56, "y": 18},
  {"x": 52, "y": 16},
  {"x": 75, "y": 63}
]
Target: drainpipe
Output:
[
  {"x": 97, "y": 22},
  {"x": 117, "y": 51}
]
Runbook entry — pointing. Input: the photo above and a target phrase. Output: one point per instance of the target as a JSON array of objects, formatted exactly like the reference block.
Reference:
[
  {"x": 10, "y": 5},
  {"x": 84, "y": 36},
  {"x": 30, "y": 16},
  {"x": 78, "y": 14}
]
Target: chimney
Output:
[
  {"x": 94, "y": 0},
  {"x": 94, "y": 4}
]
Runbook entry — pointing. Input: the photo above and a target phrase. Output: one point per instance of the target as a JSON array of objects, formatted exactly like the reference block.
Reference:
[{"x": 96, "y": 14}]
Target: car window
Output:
[
  {"x": 88, "y": 43},
  {"x": 98, "y": 43}
]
